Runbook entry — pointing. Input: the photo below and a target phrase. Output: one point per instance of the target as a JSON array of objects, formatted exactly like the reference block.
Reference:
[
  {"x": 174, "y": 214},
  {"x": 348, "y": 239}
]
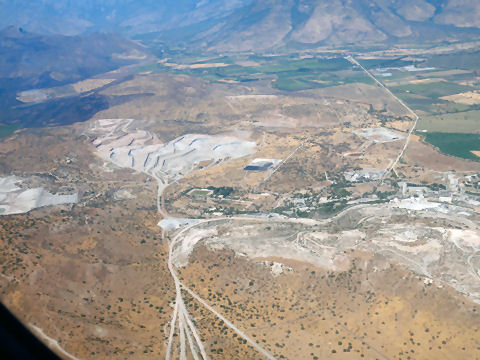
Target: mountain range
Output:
[
  {"x": 34, "y": 61},
  {"x": 239, "y": 25},
  {"x": 51, "y": 60}
]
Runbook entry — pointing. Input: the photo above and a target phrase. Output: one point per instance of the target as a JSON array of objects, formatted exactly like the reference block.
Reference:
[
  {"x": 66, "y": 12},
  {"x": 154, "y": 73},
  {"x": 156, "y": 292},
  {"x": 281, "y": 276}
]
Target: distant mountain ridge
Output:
[
  {"x": 68, "y": 17},
  {"x": 231, "y": 25},
  {"x": 265, "y": 24},
  {"x": 50, "y": 60},
  {"x": 31, "y": 61}
]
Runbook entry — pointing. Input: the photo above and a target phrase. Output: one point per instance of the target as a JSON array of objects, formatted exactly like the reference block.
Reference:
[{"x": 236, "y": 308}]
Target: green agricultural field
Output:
[
  {"x": 418, "y": 102},
  {"x": 222, "y": 59},
  {"x": 200, "y": 192},
  {"x": 357, "y": 78},
  {"x": 445, "y": 73},
  {"x": 447, "y": 107},
  {"x": 466, "y": 60},
  {"x": 404, "y": 76},
  {"x": 455, "y": 144},
  {"x": 440, "y": 108},
  {"x": 467, "y": 122},
  {"x": 303, "y": 65},
  {"x": 304, "y": 80},
  {"x": 304, "y": 74},
  {"x": 289, "y": 73},
  {"x": 293, "y": 84},
  {"x": 431, "y": 90},
  {"x": 384, "y": 63},
  {"x": 435, "y": 106}
]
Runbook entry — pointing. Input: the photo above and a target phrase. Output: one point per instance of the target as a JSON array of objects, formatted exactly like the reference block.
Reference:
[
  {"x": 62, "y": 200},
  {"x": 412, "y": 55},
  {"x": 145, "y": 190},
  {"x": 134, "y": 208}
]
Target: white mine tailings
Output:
[
  {"x": 379, "y": 134},
  {"x": 171, "y": 223},
  {"x": 183, "y": 251},
  {"x": 16, "y": 200},
  {"x": 119, "y": 142}
]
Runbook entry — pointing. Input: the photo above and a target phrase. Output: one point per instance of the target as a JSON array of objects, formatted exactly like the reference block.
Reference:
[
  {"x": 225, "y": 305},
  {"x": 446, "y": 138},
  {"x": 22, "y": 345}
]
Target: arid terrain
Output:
[{"x": 283, "y": 217}]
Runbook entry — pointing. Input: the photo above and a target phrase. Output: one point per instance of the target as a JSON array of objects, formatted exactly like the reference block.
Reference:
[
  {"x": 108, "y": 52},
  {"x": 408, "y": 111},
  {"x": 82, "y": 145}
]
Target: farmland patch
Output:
[{"x": 460, "y": 145}]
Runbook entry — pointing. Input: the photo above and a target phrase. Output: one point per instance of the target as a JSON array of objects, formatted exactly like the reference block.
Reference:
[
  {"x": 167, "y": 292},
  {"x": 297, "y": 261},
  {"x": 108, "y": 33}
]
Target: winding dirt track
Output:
[{"x": 181, "y": 315}]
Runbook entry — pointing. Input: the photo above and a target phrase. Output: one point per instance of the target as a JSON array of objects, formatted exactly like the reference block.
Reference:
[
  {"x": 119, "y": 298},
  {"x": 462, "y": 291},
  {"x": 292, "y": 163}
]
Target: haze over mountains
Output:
[
  {"x": 49, "y": 60},
  {"x": 254, "y": 24},
  {"x": 33, "y": 61},
  {"x": 75, "y": 17},
  {"x": 53, "y": 43}
]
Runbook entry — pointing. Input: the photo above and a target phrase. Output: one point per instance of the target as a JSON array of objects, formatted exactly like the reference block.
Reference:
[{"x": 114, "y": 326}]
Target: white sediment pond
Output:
[{"x": 17, "y": 200}]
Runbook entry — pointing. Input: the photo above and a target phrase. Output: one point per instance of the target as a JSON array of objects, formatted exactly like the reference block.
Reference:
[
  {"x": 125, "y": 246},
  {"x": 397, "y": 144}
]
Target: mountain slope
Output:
[
  {"x": 32, "y": 61},
  {"x": 129, "y": 17},
  {"x": 301, "y": 23},
  {"x": 59, "y": 59},
  {"x": 254, "y": 24}
]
